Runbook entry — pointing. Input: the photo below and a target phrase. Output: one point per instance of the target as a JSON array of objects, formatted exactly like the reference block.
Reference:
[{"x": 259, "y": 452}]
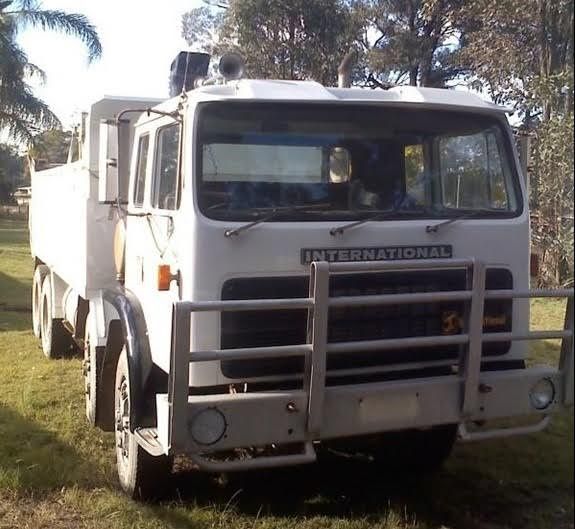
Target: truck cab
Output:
[{"x": 298, "y": 265}]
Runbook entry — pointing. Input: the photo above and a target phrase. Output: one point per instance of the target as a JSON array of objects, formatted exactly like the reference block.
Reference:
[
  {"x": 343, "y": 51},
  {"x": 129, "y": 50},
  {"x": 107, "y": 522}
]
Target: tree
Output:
[
  {"x": 413, "y": 41},
  {"x": 10, "y": 171},
  {"x": 522, "y": 52},
  {"x": 201, "y": 26},
  {"x": 552, "y": 226},
  {"x": 283, "y": 40},
  {"x": 22, "y": 114},
  {"x": 51, "y": 148}
]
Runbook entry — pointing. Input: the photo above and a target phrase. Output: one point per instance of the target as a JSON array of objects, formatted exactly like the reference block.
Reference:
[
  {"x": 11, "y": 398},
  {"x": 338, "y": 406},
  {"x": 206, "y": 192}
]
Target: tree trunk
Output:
[{"x": 544, "y": 54}]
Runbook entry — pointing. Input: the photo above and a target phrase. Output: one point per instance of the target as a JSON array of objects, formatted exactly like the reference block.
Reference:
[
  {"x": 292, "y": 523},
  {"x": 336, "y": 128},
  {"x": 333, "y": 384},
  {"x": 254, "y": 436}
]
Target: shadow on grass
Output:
[
  {"x": 348, "y": 489},
  {"x": 14, "y": 294},
  {"x": 35, "y": 459},
  {"x": 15, "y": 321}
]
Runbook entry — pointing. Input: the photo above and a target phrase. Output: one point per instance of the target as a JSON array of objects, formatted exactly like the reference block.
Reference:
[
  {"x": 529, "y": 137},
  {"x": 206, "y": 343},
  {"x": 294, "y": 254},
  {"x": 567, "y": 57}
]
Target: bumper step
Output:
[{"x": 147, "y": 438}]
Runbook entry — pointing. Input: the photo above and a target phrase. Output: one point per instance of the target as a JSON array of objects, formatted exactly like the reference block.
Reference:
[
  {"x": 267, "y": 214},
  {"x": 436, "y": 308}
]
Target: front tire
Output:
[
  {"x": 141, "y": 475},
  {"x": 55, "y": 337}
]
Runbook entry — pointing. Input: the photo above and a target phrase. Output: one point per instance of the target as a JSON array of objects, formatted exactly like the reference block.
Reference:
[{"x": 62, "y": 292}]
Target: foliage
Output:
[
  {"x": 200, "y": 28},
  {"x": 522, "y": 52},
  {"x": 10, "y": 171},
  {"x": 552, "y": 229},
  {"x": 284, "y": 40},
  {"x": 413, "y": 41},
  {"x": 51, "y": 148},
  {"x": 22, "y": 114}
]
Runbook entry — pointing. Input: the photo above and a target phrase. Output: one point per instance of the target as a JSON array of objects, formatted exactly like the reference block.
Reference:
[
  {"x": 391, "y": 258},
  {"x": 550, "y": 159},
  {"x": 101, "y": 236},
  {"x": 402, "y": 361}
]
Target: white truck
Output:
[{"x": 256, "y": 269}]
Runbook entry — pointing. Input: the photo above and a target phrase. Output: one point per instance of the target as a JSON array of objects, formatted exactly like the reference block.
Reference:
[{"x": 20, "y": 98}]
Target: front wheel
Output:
[{"x": 142, "y": 476}]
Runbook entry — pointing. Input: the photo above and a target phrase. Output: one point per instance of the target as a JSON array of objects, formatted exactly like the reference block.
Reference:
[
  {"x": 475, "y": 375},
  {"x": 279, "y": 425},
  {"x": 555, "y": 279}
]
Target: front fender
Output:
[{"x": 135, "y": 335}]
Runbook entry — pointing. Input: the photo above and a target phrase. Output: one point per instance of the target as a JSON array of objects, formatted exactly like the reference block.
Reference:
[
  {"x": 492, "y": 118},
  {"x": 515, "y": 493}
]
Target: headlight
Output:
[
  {"x": 542, "y": 394},
  {"x": 208, "y": 426}
]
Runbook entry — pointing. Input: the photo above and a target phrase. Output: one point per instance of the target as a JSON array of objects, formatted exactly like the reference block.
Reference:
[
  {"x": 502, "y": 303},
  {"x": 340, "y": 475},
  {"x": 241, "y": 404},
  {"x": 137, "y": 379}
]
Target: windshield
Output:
[{"x": 354, "y": 160}]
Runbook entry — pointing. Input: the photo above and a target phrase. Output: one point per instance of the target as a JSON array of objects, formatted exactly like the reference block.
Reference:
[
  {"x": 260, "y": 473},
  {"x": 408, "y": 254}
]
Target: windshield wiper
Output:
[
  {"x": 272, "y": 213},
  {"x": 378, "y": 215},
  {"x": 434, "y": 228}
]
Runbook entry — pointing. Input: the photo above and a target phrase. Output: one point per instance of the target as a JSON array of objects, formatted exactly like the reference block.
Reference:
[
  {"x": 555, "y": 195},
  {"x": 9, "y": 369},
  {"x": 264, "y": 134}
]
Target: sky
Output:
[{"x": 140, "y": 38}]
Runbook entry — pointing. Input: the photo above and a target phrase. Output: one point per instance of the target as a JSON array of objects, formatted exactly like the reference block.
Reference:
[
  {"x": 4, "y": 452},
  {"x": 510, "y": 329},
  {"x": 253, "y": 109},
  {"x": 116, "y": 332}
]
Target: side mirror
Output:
[
  {"x": 339, "y": 165},
  {"x": 113, "y": 164}
]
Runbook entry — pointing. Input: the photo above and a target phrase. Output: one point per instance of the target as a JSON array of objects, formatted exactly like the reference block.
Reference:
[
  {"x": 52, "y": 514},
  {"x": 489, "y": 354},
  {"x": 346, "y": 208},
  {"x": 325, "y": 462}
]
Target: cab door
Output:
[{"x": 151, "y": 239}]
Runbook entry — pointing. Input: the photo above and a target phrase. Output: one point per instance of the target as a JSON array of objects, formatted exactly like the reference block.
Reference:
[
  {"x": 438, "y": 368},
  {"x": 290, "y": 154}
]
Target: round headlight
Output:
[
  {"x": 208, "y": 426},
  {"x": 542, "y": 394}
]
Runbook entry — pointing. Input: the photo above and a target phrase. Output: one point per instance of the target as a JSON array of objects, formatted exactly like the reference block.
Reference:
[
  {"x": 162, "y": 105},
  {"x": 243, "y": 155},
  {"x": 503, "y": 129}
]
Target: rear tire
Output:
[
  {"x": 98, "y": 384},
  {"x": 55, "y": 338},
  {"x": 40, "y": 274},
  {"x": 142, "y": 476}
]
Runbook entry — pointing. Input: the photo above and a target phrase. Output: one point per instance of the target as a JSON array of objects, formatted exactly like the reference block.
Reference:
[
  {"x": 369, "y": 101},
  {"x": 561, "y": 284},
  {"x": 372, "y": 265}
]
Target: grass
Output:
[
  {"x": 15, "y": 265},
  {"x": 56, "y": 472}
]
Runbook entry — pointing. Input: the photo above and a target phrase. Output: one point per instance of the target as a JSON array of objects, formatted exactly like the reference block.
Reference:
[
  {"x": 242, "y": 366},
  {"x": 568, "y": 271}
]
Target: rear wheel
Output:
[
  {"x": 56, "y": 340},
  {"x": 142, "y": 476},
  {"x": 98, "y": 383},
  {"x": 39, "y": 275}
]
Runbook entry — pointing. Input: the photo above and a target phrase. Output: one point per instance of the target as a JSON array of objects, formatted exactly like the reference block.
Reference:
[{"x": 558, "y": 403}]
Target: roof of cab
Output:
[
  {"x": 254, "y": 89},
  {"x": 311, "y": 91}
]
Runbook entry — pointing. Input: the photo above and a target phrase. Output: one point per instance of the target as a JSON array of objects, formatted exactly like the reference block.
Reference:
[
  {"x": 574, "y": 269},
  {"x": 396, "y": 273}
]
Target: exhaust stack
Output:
[{"x": 344, "y": 69}]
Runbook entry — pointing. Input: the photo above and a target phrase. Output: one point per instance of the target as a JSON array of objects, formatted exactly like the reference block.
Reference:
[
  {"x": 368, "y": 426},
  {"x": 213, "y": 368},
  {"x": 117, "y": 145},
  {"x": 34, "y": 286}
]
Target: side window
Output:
[
  {"x": 141, "y": 164},
  {"x": 166, "y": 167}
]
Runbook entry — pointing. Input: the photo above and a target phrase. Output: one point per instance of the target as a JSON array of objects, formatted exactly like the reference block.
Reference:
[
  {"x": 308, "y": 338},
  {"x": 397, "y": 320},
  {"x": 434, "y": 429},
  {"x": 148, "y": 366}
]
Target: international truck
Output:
[{"x": 258, "y": 270}]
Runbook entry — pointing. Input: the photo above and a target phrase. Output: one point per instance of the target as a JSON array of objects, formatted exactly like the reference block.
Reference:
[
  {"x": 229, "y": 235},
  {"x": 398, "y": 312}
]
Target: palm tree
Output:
[{"x": 22, "y": 114}]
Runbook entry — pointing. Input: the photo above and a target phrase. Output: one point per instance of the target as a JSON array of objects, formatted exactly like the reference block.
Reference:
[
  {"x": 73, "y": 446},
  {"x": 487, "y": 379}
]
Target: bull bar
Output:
[{"x": 318, "y": 412}]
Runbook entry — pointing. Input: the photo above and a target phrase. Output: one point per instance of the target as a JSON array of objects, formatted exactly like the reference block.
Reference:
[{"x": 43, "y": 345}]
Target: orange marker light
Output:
[{"x": 164, "y": 277}]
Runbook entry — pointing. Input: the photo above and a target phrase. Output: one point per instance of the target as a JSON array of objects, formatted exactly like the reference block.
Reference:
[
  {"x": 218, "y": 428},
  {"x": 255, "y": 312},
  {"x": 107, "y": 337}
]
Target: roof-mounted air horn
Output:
[{"x": 231, "y": 66}]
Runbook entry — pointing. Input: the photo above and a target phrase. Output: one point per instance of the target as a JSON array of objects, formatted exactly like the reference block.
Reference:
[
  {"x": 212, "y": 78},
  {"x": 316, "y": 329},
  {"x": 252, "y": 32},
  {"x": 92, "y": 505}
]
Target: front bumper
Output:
[
  {"x": 277, "y": 417},
  {"x": 320, "y": 412}
]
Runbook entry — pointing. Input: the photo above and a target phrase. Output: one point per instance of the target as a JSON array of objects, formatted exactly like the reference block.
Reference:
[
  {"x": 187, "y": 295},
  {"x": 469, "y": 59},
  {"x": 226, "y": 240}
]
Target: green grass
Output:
[
  {"x": 56, "y": 472},
  {"x": 15, "y": 265}
]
